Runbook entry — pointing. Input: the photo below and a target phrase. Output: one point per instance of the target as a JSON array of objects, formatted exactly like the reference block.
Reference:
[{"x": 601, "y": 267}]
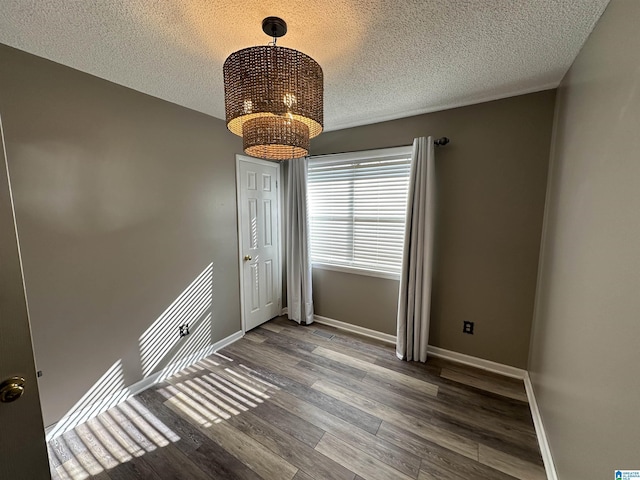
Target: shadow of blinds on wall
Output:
[{"x": 357, "y": 208}]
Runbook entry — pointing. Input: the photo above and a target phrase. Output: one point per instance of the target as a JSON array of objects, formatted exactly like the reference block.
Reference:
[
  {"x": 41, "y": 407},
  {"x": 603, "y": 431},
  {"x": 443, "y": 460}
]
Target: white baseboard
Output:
[
  {"x": 92, "y": 410},
  {"x": 434, "y": 351},
  {"x": 481, "y": 363},
  {"x": 285, "y": 311},
  {"x": 541, "y": 434},
  {"x": 385, "y": 337}
]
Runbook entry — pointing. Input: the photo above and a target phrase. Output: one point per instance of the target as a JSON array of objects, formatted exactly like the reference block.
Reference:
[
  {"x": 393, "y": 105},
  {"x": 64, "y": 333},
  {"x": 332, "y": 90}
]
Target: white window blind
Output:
[{"x": 357, "y": 207}]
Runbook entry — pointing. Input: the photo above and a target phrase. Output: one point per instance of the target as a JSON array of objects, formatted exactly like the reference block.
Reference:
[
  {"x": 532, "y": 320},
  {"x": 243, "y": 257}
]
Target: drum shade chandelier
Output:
[{"x": 273, "y": 97}]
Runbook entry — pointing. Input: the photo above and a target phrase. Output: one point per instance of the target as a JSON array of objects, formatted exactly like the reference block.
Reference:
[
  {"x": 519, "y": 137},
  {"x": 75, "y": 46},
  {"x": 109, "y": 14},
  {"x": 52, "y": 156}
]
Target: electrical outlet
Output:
[
  {"x": 467, "y": 327},
  {"x": 184, "y": 330}
]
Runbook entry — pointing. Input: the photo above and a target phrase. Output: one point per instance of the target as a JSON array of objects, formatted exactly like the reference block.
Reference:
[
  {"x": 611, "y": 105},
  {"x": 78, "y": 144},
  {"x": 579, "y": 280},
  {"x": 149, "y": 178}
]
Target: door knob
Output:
[
  {"x": 11, "y": 389},
  {"x": 247, "y": 258}
]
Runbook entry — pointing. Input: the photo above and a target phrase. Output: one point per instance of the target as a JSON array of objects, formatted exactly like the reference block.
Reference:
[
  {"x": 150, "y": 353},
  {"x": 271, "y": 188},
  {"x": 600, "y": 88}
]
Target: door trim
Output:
[{"x": 257, "y": 161}]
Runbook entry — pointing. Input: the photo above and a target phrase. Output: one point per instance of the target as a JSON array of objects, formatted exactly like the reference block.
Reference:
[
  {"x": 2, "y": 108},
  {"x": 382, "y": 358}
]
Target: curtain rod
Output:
[{"x": 438, "y": 142}]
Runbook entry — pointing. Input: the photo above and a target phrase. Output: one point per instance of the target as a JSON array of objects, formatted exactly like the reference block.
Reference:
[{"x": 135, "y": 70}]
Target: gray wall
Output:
[
  {"x": 370, "y": 302},
  {"x": 584, "y": 350},
  {"x": 122, "y": 200},
  {"x": 491, "y": 190}
]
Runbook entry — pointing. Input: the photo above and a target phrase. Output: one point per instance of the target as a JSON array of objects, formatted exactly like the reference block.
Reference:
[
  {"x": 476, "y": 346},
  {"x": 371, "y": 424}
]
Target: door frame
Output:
[{"x": 257, "y": 161}]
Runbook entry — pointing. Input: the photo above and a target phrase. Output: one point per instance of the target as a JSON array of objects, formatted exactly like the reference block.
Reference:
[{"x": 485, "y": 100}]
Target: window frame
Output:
[{"x": 363, "y": 155}]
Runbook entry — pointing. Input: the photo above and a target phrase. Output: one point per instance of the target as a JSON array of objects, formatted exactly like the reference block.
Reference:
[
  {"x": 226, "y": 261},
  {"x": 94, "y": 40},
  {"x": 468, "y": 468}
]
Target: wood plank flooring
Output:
[{"x": 310, "y": 403}]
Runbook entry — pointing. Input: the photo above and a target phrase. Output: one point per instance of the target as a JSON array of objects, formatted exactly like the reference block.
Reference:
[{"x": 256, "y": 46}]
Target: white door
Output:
[
  {"x": 259, "y": 239},
  {"x": 23, "y": 452}
]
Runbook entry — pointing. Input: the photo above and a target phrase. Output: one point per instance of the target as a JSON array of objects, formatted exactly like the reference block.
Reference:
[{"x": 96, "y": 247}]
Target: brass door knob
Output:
[
  {"x": 247, "y": 258},
  {"x": 12, "y": 389}
]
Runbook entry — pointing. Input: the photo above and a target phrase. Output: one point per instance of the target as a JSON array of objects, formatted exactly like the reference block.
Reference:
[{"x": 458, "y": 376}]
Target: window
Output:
[{"x": 357, "y": 208}]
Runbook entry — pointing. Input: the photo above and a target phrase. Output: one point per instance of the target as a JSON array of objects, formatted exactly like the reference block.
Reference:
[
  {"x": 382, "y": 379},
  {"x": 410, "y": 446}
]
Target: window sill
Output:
[{"x": 356, "y": 271}]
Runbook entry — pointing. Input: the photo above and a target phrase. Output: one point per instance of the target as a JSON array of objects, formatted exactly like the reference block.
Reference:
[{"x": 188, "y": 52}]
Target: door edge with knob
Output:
[{"x": 12, "y": 389}]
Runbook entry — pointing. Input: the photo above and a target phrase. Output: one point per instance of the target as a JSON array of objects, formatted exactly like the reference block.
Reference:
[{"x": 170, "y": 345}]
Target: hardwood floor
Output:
[{"x": 290, "y": 402}]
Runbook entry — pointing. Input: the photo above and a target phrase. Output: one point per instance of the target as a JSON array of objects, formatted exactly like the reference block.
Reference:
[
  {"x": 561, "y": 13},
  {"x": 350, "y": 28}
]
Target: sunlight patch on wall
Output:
[
  {"x": 107, "y": 392},
  {"x": 161, "y": 339},
  {"x": 205, "y": 393},
  {"x": 196, "y": 346},
  {"x": 108, "y": 426}
]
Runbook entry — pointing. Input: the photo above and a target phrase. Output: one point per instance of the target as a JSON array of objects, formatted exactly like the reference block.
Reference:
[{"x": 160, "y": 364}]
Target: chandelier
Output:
[{"x": 273, "y": 97}]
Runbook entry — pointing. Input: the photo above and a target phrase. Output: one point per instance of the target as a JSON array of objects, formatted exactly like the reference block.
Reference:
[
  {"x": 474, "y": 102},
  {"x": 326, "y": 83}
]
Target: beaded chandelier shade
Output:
[{"x": 273, "y": 98}]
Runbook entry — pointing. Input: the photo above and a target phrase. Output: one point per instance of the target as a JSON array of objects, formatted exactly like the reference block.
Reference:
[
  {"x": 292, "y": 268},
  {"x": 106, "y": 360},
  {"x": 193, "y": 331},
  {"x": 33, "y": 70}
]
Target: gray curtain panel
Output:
[
  {"x": 414, "y": 303},
  {"x": 299, "y": 291}
]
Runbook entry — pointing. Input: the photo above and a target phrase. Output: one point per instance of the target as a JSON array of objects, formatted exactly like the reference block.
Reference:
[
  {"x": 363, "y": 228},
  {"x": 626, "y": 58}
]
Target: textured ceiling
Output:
[{"x": 382, "y": 59}]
